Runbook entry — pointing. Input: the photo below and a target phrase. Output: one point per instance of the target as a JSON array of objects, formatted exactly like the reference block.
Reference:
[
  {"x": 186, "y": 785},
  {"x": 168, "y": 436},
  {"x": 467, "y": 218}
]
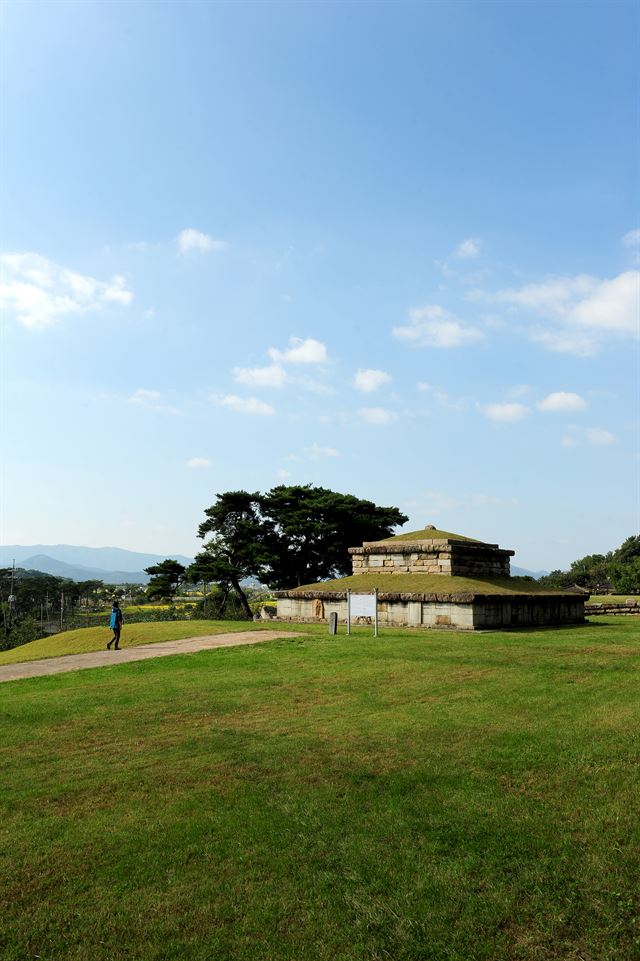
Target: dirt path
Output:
[{"x": 78, "y": 662}]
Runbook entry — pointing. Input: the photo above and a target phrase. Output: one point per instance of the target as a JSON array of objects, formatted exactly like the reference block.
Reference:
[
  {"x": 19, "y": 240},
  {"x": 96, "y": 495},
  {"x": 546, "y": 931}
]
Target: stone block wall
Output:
[
  {"x": 396, "y": 613},
  {"x": 432, "y": 557},
  {"x": 489, "y": 612},
  {"x": 628, "y": 607},
  {"x": 443, "y": 614},
  {"x": 527, "y": 611}
]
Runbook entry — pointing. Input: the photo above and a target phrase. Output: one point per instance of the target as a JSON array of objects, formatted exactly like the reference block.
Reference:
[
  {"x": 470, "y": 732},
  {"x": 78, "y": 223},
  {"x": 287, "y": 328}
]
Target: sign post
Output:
[
  {"x": 363, "y": 605},
  {"x": 375, "y": 622}
]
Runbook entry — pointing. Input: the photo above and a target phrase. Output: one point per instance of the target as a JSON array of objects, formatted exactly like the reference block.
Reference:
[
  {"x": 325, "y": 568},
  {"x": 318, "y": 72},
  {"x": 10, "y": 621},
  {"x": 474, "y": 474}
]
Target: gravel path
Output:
[{"x": 78, "y": 662}]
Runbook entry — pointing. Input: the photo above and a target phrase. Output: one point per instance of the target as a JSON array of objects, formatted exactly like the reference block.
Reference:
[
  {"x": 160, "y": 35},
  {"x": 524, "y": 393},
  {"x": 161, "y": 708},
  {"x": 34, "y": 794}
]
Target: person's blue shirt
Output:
[{"x": 115, "y": 619}]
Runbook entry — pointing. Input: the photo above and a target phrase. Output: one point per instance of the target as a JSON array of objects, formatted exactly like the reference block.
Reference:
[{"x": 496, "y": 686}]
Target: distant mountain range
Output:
[
  {"x": 113, "y": 565},
  {"x": 523, "y": 572}
]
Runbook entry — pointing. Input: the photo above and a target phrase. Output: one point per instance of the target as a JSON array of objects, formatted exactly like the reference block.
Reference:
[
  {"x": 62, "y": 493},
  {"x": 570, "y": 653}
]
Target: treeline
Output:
[
  {"x": 30, "y": 600},
  {"x": 33, "y": 604},
  {"x": 618, "y": 571}
]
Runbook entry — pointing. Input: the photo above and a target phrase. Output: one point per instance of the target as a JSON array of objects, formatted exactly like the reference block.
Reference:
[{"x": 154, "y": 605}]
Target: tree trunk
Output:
[
  {"x": 235, "y": 583},
  {"x": 224, "y": 600}
]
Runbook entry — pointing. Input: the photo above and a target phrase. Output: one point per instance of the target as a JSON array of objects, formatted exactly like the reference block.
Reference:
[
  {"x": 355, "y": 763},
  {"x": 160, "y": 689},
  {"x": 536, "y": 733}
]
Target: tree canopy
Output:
[
  {"x": 309, "y": 530},
  {"x": 618, "y": 570},
  {"x": 235, "y": 546},
  {"x": 37, "y": 596},
  {"x": 166, "y": 578},
  {"x": 289, "y": 536}
]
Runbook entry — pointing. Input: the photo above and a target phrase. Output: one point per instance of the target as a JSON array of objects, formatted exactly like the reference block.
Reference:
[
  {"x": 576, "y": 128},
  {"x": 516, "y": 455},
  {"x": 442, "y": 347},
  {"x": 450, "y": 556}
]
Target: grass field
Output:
[
  {"x": 429, "y": 584},
  {"x": 86, "y": 639},
  {"x": 416, "y": 797},
  {"x": 613, "y": 598}
]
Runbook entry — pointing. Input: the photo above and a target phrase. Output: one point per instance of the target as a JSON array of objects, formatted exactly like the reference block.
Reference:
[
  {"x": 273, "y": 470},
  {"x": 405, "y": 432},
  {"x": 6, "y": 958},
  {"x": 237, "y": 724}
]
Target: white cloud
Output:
[
  {"x": 433, "y": 326},
  {"x": 377, "y": 416},
  {"x": 152, "y": 400},
  {"x": 369, "y": 380},
  {"x": 612, "y": 307},
  {"x": 316, "y": 451},
  {"x": 140, "y": 246},
  {"x": 562, "y": 401},
  {"x": 441, "y": 397},
  {"x": 300, "y": 351},
  {"x": 584, "y": 311},
  {"x": 599, "y": 437},
  {"x": 272, "y": 376},
  {"x": 195, "y": 463},
  {"x": 468, "y": 249},
  {"x": 632, "y": 238},
  {"x": 519, "y": 390},
  {"x": 566, "y": 341},
  {"x": 246, "y": 405},
  {"x": 282, "y": 474},
  {"x": 505, "y": 413},
  {"x": 433, "y": 503},
  {"x": 191, "y": 239},
  {"x": 449, "y": 403},
  {"x": 552, "y": 296},
  {"x": 143, "y": 396},
  {"x": 39, "y": 291},
  {"x": 596, "y": 436}
]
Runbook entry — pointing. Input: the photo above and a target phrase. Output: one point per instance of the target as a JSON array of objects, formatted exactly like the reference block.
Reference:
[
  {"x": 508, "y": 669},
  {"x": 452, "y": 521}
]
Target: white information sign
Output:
[{"x": 362, "y": 605}]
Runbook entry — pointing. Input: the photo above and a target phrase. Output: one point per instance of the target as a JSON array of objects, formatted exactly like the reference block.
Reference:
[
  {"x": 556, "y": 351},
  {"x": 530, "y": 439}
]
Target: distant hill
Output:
[
  {"x": 113, "y": 565},
  {"x": 75, "y": 572},
  {"x": 523, "y": 572}
]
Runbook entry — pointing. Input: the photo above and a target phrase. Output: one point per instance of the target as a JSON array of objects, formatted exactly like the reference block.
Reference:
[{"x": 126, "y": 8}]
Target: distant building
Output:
[{"x": 434, "y": 579}]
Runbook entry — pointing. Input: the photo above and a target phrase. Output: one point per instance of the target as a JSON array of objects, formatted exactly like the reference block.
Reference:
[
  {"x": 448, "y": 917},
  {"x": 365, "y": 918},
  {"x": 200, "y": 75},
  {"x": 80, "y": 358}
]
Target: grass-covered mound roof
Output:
[
  {"x": 427, "y": 534},
  {"x": 426, "y": 585}
]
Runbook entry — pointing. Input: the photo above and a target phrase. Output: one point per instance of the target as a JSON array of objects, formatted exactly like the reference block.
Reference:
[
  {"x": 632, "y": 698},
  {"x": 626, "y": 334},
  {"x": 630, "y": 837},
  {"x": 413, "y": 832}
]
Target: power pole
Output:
[{"x": 12, "y": 596}]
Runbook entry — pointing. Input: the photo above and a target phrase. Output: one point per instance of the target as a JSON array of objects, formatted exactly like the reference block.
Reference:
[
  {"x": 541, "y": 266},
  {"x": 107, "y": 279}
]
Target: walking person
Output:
[{"x": 115, "y": 623}]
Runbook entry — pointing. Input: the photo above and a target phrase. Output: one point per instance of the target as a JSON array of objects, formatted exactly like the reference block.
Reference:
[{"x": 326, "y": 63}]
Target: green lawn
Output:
[
  {"x": 438, "y": 584},
  {"x": 425, "y": 534},
  {"x": 86, "y": 639},
  {"x": 613, "y": 598},
  {"x": 415, "y": 797}
]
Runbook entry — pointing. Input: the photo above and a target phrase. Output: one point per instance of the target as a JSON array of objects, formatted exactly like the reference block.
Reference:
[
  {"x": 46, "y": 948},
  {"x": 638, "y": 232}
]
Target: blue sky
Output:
[{"x": 388, "y": 248}]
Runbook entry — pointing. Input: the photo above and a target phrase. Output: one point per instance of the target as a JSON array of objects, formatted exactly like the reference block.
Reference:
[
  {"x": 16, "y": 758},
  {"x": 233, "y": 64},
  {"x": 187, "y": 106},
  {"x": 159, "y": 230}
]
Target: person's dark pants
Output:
[{"x": 116, "y": 637}]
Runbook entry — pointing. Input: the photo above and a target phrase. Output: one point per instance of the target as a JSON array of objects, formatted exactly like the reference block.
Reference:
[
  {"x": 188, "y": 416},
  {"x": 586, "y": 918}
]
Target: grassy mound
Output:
[
  {"x": 411, "y": 797},
  {"x": 427, "y": 535},
  {"x": 86, "y": 639},
  {"x": 441, "y": 584}
]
